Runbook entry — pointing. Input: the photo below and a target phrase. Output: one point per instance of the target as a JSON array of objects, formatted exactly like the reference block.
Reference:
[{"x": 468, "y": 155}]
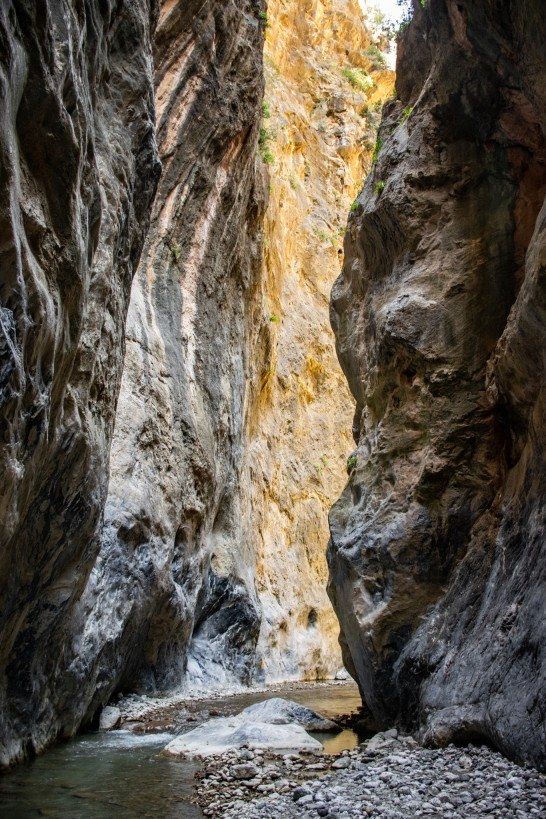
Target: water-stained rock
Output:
[
  {"x": 78, "y": 169},
  {"x": 437, "y": 560},
  {"x": 172, "y": 589}
]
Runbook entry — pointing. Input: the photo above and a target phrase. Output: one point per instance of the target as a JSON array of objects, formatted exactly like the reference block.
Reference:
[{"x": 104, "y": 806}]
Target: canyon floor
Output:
[
  {"x": 123, "y": 772},
  {"x": 390, "y": 777}
]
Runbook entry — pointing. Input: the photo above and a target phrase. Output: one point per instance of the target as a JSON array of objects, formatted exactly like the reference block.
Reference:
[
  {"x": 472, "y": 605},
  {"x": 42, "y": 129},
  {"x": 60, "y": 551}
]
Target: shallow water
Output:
[{"x": 121, "y": 774}]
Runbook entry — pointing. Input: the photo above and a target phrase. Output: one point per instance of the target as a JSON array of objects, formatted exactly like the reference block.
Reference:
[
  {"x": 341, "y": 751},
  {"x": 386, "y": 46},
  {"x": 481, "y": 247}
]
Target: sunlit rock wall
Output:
[
  {"x": 78, "y": 169},
  {"x": 437, "y": 558},
  {"x": 324, "y": 88}
]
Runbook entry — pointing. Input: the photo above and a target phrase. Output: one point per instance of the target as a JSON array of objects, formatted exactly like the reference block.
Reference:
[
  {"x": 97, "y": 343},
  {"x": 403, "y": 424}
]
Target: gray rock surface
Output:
[
  {"x": 400, "y": 781},
  {"x": 78, "y": 170},
  {"x": 437, "y": 559},
  {"x": 275, "y": 725},
  {"x": 110, "y": 718},
  {"x": 217, "y": 736},
  {"x": 277, "y": 708},
  {"x": 172, "y": 588}
]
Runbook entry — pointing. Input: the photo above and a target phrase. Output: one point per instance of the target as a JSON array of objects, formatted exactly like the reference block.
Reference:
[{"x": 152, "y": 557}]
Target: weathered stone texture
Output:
[
  {"x": 78, "y": 169},
  {"x": 172, "y": 590},
  {"x": 437, "y": 559},
  {"x": 319, "y": 131}
]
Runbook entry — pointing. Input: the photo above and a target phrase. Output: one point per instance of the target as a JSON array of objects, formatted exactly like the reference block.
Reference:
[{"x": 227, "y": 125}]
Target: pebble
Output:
[{"x": 399, "y": 779}]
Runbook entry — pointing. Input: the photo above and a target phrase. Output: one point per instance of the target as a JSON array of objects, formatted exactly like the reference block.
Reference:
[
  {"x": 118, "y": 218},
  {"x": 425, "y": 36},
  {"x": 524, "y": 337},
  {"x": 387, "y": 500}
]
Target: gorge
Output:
[{"x": 175, "y": 187}]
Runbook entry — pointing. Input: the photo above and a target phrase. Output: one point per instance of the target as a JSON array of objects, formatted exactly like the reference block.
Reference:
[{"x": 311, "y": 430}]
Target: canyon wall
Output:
[
  {"x": 105, "y": 587},
  {"x": 325, "y": 84},
  {"x": 437, "y": 560},
  {"x": 172, "y": 593},
  {"x": 78, "y": 172},
  {"x": 212, "y": 570}
]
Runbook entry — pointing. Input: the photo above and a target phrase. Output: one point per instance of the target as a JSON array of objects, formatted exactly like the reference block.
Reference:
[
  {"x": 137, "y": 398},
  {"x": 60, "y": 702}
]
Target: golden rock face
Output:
[{"x": 322, "y": 102}]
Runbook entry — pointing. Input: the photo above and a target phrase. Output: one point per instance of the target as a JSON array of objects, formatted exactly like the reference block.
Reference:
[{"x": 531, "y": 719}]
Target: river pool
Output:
[{"x": 122, "y": 775}]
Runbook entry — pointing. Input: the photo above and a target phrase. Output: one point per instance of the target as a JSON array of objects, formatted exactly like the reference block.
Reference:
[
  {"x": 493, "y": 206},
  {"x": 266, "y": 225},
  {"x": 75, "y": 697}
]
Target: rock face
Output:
[
  {"x": 78, "y": 172},
  {"x": 317, "y": 133},
  {"x": 437, "y": 560},
  {"x": 275, "y": 725},
  {"x": 172, "y": 589}
]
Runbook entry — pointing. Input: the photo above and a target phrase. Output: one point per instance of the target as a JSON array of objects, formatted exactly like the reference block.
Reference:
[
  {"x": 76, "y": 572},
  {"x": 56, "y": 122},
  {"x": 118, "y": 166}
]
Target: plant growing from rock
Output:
[
  {"x": 358, "y": 78},
  {"x": 377, "y": 150},
  {"x": 176, "y": 251},
  {"x": 351, "y": 463},
  {"x": 375, "y": 56},
  {"x": 263, "y": 144}
]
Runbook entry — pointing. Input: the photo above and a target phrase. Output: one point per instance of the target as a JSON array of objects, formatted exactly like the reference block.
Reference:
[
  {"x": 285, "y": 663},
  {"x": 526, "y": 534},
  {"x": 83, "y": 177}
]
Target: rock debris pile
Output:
[{"x": 390, "y": 776}]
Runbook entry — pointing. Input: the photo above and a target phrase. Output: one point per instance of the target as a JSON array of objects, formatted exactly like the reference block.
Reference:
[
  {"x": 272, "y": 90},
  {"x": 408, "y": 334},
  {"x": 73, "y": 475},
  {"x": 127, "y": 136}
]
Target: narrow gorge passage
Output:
[{"x": 272, "y": 536}]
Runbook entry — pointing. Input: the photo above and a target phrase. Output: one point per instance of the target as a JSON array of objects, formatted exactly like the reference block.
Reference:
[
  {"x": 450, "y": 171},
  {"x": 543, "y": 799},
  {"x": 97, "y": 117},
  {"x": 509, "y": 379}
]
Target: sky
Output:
[{"x": 389, "y": 7}]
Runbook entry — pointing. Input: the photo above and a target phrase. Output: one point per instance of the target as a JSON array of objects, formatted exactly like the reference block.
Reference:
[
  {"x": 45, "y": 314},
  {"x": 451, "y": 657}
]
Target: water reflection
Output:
[{"x": 96, "y": 777}]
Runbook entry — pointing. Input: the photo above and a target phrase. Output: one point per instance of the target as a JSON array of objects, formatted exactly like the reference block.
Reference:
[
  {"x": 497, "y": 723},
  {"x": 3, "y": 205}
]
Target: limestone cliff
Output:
[
  {"x": 78, "y": 171},
  {"x": 325, "y": 84},
  {"x": 437, "y": 560},
  {"x": 193, "y": 552},
  {"x": 172, "y": 591}
]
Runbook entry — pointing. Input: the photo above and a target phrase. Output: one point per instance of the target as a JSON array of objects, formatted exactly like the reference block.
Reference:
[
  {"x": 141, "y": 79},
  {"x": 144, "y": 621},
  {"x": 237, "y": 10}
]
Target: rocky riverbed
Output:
[{"x": 388, "y": 776}]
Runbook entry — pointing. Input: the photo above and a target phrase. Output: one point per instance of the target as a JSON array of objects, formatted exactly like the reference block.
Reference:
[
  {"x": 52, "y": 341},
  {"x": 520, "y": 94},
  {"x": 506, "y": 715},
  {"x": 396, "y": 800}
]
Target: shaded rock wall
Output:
[
  {"x": 437, "y": 560},
  {"x": 318, "y": 133},
  {"x": 172, "y": 590},
  {"x": 78, "y": 169}
]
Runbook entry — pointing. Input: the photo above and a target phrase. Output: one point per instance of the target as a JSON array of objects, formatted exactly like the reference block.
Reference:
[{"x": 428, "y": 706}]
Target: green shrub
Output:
[
  {"x": 376, "y": 57},
  {"x": 379, "y": 187},
  {"x": 264, "y": 19},
  {"x": 377, "y": 149},
  {"x": 354, "y": 206},
  {"x": 351, "y": 463},
  {"x": 266, "y": 111},
  {"x": 358, "y": 78},
  {"x": 176, "y": 250},
  {"x": 263, "y": 144},
  {"x": 406, "y": 113},
  {"x": 273, "y": 318}
]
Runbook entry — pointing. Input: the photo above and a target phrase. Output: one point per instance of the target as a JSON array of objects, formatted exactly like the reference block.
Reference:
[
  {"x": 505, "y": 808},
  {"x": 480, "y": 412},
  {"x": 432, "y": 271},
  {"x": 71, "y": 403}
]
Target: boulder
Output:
[
  {"x": 279, "y": 711},
  {"x": 217, "y": 736},
  {"x": 342, "y": 674},
  {"x": 110, "y": 718},
  {"x": 246, "y": 730}
]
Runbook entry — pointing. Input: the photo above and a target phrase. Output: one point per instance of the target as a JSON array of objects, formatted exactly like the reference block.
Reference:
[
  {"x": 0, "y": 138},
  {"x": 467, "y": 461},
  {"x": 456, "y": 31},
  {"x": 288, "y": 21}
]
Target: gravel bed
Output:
[{"x": 389, "y": 776}]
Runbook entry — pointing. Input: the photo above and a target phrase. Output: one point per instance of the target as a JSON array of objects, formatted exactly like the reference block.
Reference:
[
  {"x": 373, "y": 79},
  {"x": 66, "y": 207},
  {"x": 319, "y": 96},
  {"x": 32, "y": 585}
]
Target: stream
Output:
[{"x": 121, "y": 774}]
